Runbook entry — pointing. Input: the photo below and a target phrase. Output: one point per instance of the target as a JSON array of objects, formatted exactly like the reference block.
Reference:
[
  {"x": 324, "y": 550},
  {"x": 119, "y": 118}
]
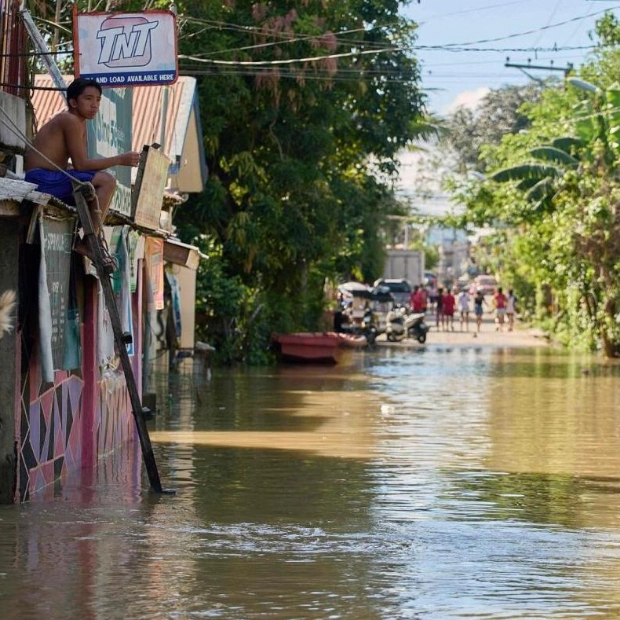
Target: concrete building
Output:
[{"x": 65, "y": 400}]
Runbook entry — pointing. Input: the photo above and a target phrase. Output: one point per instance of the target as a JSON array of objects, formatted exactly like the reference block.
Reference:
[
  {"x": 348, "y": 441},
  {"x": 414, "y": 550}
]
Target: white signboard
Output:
[
  {"x": 126, "y": 49},
  {"x": 109, "y": 134}
]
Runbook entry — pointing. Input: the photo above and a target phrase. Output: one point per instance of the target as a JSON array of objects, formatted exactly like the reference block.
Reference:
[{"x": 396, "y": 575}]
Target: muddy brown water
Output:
[{"x": 442, "y": 482}]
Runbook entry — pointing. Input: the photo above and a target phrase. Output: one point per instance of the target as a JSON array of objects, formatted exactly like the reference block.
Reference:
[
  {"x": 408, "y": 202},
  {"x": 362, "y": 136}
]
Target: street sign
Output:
[{"x": 118, "y": 50}]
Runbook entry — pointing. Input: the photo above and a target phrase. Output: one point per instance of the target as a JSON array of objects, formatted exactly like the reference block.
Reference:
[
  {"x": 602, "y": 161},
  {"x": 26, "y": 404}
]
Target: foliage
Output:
[
  {"x": 301, "y": 155},
  {"x": 304, "y": 110},
  {"x": 556, "y": 192},
  {"x": 499, "y": 113}
]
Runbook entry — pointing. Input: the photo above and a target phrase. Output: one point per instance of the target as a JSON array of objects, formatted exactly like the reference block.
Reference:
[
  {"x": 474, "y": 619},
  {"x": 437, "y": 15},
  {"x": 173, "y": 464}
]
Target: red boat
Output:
[{"x": 316, "y": 347}]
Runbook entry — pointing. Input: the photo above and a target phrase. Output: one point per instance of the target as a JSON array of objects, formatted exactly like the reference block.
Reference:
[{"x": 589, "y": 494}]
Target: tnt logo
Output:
[{"x": 126, "y": 41}]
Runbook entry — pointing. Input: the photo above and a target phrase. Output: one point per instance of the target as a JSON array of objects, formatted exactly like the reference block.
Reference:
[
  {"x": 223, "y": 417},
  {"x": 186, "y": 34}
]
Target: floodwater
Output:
[{"x": 445, "y": 482}]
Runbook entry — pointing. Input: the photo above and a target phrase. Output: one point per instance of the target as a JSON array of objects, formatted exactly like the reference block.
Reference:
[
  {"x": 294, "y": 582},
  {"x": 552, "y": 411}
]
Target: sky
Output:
[
  {"x": 483, "y": 34},
  {"x": 540, "y": 31}
]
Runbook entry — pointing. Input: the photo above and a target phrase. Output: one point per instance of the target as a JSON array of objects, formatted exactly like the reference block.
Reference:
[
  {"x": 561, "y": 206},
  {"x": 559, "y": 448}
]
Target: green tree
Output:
[
  {"x": 498, "y": 114},
  {"x": 557, "y": 191},
  {"x": 301, "y": 154},
  {"x": 304, "y": 109}
]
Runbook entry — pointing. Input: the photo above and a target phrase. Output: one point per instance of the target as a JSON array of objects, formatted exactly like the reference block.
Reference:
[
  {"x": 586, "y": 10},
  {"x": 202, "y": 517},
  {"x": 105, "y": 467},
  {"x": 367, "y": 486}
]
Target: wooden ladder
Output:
[{"x": 122, "y": 339}]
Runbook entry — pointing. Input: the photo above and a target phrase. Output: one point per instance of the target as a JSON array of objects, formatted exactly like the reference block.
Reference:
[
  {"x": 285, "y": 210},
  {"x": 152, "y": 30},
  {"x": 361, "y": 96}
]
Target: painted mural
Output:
[{"x": 67, "y": 424}]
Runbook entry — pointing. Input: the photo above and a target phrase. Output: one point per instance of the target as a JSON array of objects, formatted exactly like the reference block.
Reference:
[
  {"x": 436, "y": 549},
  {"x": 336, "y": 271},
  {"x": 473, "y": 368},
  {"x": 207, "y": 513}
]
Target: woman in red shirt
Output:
[
  {"x": 448, "y": 304},
  {"x": 499, "y": 303}
]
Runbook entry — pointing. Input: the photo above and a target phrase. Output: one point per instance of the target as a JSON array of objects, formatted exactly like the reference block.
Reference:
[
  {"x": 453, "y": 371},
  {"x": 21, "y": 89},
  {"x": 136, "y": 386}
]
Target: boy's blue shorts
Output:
[{"x": 57, "y": 183}]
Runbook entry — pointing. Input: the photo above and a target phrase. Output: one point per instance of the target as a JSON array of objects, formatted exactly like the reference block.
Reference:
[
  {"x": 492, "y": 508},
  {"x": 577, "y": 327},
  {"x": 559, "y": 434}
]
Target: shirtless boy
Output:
[{"x": 63, "y": 138}]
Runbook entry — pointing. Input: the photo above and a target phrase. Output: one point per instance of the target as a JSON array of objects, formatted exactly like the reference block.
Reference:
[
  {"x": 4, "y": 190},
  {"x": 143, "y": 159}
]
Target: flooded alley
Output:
[{"x": 438, "y": 482}]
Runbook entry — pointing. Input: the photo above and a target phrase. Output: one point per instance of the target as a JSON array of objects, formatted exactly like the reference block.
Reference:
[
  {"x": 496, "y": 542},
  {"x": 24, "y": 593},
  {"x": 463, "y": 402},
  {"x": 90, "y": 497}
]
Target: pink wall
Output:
[{"x": 68, "y": 426}]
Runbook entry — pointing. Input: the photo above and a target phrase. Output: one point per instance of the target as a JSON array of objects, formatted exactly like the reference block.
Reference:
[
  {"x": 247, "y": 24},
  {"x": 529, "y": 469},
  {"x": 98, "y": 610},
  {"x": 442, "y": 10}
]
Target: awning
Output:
[{"x": 181, "y": 254}]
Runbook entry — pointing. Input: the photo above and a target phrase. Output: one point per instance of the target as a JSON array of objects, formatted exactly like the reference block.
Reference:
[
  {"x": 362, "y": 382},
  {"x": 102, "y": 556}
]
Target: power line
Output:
[
  {"x": 285, "y": 38},
  {"x": 476, "y": 10},
  {"x": 533, "y": 30},
  {"x": 555, "y": 10}
]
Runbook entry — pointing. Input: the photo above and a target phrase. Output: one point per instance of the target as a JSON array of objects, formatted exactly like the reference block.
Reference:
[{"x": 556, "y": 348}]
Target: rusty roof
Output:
[
  {"x": 182, "y": 120},
  {"x": 147, "y": 116}
]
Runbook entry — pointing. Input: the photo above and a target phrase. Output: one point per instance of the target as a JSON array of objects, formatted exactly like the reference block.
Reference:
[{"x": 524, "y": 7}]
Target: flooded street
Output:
[{"x": 474, "y": 482}]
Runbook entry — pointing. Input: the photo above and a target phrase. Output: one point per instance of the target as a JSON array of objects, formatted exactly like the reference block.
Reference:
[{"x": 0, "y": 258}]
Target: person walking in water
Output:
[
  {"x": 463, "y": 306},
  {"x": 499, "y": 303},
  {"x": 448, "y": 304},
  {"x": 479, "y": 302},
  {"x": 511, "y": 308},
  {"x": 439, "y": 308},
  {"x": 417, "y": 302}
]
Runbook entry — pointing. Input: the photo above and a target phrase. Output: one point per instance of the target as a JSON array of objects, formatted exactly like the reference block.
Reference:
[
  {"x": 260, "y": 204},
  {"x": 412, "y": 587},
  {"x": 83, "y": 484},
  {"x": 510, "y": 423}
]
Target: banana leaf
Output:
[
  {"x": 525, "y": 171},
  {"x": 552, "y": 154}
]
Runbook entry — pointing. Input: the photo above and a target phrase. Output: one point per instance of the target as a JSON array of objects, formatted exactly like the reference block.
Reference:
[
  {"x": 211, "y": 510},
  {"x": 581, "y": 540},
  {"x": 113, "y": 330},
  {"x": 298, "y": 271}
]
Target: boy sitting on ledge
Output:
[{"x": 63, "y": 138}]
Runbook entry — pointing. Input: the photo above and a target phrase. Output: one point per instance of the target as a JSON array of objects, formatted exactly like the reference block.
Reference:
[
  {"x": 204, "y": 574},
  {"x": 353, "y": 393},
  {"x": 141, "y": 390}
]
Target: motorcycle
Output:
[
  {"x": 369, "y": 328},
  {"x": 366, "y": 327},
  {"x": 401, "y": 325}
]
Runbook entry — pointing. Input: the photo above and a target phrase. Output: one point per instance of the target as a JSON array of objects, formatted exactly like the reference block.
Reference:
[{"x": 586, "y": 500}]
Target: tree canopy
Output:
[{"x": 304, "y": 110}]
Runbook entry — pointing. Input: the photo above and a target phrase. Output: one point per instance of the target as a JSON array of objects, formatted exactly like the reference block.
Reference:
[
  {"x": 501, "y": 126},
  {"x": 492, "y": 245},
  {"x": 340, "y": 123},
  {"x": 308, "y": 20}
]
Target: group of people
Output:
[{"x": 447, "y": 303}]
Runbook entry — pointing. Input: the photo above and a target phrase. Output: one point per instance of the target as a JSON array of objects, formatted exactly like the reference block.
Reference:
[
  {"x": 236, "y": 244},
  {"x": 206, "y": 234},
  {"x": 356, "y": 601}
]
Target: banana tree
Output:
[{"x": 571, "y": 186}]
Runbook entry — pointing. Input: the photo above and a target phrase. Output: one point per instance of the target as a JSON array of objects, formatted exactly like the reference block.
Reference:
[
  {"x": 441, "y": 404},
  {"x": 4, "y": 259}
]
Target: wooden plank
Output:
[
  {"x": 39, "y": 198},
  {"x": 149, "y": 188},
  {"x": 13, "y": 189},
  {"x": 181, "y": 254},
  {"x": 31, "y": 235},
  {"x": 18, "y": 191}
]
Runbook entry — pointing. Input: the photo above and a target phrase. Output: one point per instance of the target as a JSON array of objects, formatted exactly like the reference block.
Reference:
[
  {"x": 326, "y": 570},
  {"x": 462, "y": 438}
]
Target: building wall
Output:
[
  {"x": 9, "y": 354},
  {"x": 65, "y": 427},
  {"x": 15, "y": 109}
]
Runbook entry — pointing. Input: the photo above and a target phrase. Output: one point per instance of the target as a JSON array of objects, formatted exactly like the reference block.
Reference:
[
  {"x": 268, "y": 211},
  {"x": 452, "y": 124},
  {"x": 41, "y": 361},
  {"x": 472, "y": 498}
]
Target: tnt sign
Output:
[{"x": 118, "y": 49}]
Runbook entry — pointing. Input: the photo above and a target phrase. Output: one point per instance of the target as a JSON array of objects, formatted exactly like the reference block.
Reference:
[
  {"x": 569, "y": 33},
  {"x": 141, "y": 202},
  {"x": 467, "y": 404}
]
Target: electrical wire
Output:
[
  {"x": 555, "y": 10},
  {"x": 533, "y": 30},
  {"x": 469, "y": 11},
  {"x": 292, "y": 38},
  {"x": 288, "y": 61}
]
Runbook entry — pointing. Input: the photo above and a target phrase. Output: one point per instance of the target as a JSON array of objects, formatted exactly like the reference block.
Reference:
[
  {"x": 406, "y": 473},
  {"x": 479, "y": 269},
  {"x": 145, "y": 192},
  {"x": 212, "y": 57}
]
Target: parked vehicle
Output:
[
  {"x": 365, "y": 310},
  {"x": 400, "y": 289},
  {"x": 430, "y": 279},
  {"x": 404, "y": 264},
  {"x": 370, "y": 329},
  {"x": 486, "y": 284},
  {"x": 401, "y": 325},
  {"x": 418, "y": 328}
]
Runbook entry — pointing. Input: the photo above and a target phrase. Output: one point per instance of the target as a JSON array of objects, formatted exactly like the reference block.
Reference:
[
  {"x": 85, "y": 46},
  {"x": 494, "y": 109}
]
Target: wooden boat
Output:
[{"x": 316, "y": 347}]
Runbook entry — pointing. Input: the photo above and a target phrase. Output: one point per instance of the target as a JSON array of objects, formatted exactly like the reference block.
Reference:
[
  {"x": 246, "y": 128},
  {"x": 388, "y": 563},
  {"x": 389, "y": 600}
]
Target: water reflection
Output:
[{"x": 435, "y": 483}]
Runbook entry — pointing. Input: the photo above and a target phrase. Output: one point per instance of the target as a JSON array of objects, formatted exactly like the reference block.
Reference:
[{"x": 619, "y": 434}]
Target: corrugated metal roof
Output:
[
  {"x": 147, "y": 116},
  {"x": 46, "y": 103}
]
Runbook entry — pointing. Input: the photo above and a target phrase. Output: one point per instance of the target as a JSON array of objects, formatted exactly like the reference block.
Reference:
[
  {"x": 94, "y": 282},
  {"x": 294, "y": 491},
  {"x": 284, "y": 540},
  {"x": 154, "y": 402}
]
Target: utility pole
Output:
[{"x": 551, "y": 67}]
